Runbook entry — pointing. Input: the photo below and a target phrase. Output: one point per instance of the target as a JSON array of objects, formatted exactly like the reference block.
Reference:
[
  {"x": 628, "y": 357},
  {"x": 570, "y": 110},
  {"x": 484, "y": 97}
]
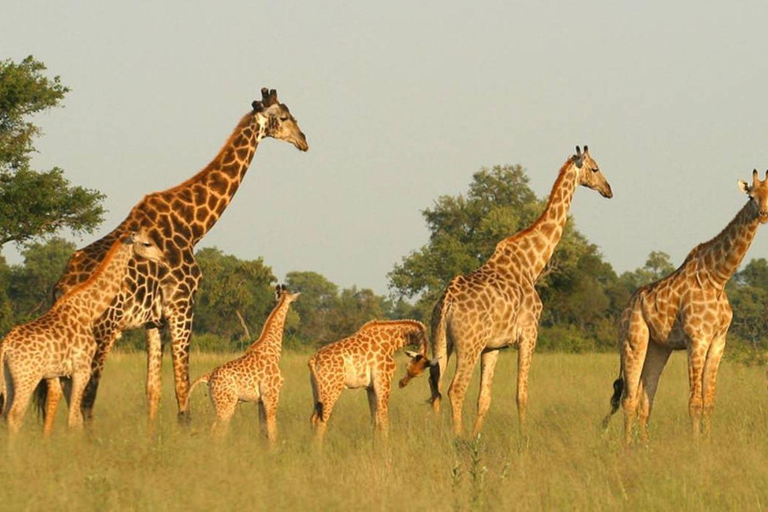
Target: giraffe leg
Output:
[
  {"x": 328, "y": 396},
  {"x": 697, "y": 356},
  {"x": 52, "y": 404},
  {"x": 634, "y": 348},
  {"x": 465, "y": 363},
  {"x": 372, "y": 404},
  {"x": 181, "y": 329},
  {"x": 225, "y": 404},
  {"x": 79, "y": 381},
  {"x": 381, "y": 387},
  {"x": 269, "y": 406},
  {"x": 655, "y": 360},
  {"x": 20, "y": 396},
  {"x": 106, "y": 331},
  {"x": 487, "y": 367},
  {"x": 154, "y": 373},
  {"x": 712, "y": 364},
  {"x": 524, "y": 356}
]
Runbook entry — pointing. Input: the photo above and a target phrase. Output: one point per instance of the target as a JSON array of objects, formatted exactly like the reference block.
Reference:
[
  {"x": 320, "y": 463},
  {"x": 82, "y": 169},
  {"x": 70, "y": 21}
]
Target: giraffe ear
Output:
[
  {"x": 744, "y": 187},
  {"x": 257, "y": 106},
  {"x": 411, "y": 354}
]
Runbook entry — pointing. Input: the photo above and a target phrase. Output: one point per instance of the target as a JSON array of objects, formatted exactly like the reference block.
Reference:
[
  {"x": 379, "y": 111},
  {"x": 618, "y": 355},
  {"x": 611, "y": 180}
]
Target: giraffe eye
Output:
[
  {"x": 284, "y": 119},
  {"x": 595, "y": 169}
]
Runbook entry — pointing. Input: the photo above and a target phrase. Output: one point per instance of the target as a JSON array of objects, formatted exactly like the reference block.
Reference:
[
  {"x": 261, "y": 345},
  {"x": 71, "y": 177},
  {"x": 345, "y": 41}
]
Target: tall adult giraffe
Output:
[
  {"x": 686, "y": 310},
  {"x": 176, "y": 219},
  {"x": 497, "y": 305}
]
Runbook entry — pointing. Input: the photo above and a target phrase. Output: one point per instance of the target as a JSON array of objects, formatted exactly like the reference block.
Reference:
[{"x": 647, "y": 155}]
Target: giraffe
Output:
[
  {"x": 686, "y": 310},
  {"x": 61, "y": 341},
  {"x": 497, "y": 305},
  {"x": 255, "y": 376},
  {"x": 365, "y": 360},
  {"x": 176, "y": 219}
]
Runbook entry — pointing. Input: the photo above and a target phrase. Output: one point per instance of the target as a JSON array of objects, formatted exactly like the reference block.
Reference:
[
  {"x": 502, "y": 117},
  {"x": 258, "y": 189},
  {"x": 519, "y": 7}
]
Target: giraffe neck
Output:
[
  {"x": 271, "y": 336},
  {"x": 531, "y": 249},
  {"x": 94, "y": 296},
  {"x": 723, "y": 254},
  {"x": 193, "y": 207}
]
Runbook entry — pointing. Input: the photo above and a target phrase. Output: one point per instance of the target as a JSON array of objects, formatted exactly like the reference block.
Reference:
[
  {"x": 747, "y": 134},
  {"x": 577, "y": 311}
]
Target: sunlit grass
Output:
[{"x": 564, "y": 462}]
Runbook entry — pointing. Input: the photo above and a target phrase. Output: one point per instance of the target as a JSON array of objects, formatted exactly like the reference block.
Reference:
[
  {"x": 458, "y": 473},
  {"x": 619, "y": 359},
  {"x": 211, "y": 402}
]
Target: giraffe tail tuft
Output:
[
  {"x": 618, "y": 389},
  {"x": 2, "y": 378},
  {"x": 439, "y": 346}
]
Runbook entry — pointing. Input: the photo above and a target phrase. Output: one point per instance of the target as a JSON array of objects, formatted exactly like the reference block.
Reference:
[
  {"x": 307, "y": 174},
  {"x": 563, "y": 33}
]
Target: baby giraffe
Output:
[
  {"x": 366, "y": 360},
  {"x": 254, "y": 376},
  {"x": 61, "y": 343}
]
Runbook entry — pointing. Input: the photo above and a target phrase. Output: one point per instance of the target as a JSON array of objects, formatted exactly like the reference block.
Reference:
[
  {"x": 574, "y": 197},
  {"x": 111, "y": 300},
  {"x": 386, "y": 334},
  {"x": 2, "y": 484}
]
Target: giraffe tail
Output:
[
  {"x": 2, "y": 378},
  {"x": 317, "y": 412},
  {"x": 439, "y": 348},
  {"x": 618, "y": 389},
  {"x": 203, "y": 378}
]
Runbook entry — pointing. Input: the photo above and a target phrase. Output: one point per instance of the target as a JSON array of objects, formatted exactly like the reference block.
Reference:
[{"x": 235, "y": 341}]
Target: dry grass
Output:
[{"x": 565, "y": 461}]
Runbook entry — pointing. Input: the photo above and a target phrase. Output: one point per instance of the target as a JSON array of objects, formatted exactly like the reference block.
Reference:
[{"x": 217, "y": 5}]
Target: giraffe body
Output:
[
  {"x": 686, "y": 310},
  {"x": 176, "y": 219},
  {"x": 497, "y": 305},
  {"x": 255, "y": 376},
  {"x": 61, "y": 342},
  {"x": 365, "y": 360}
]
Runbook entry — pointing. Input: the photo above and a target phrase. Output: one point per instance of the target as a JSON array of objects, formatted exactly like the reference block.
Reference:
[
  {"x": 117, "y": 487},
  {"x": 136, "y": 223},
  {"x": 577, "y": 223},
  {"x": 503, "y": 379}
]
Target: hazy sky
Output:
[{"x": 401, "y": 102}]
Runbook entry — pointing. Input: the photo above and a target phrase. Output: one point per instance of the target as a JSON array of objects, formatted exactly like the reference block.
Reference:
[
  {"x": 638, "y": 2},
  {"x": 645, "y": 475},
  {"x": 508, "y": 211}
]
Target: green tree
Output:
[
  {"x": 31, "y": 284},
  {"x": 352, "y": 309},
  {"x": 235, "y": 295},
  {"x": 34, "y": 204},
  {"x": 318, "y": 298}
]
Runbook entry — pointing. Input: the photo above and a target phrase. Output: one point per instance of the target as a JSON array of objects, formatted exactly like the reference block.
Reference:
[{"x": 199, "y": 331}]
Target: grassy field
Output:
[{"x": 564, "y": 463}]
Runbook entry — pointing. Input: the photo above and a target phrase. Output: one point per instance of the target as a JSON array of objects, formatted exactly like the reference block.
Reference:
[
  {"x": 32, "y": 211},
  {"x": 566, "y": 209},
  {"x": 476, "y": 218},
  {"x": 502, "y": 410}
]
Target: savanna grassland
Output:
[{"x": 564, "y": 463}]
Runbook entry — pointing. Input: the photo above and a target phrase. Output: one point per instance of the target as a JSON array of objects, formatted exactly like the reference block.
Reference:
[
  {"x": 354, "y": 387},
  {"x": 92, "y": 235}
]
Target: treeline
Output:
[{"x": 583, "y": 296}]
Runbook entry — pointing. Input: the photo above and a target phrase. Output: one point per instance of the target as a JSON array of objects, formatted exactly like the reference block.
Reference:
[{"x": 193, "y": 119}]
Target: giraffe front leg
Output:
[
  {"x": 524, "y": 356},
  {"x": 181, "y": 330},
  {"x": 487, "y": 367},
  {"x": 381, "y": 387},
  {"x": 711, "y": 367},
  {"x": 465, "y": 363},
  {"x": 79, "y": 382},
  {"x": 697, "y": 355},
  {"x": 53, "y": 398},
  {"x": 154, "y": 373}
]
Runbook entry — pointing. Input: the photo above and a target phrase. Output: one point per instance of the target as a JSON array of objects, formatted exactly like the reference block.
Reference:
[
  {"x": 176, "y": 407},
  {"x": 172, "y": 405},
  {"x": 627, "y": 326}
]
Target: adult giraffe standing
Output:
[
  {"x": 176, "y": 219},
  {"x": 497, "y": 305},
  {"x": 686, "y": 310}
]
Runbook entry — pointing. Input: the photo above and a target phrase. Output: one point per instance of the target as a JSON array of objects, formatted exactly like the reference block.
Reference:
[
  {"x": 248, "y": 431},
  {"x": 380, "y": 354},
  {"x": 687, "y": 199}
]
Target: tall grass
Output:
[{"x": 563, "y": 462}]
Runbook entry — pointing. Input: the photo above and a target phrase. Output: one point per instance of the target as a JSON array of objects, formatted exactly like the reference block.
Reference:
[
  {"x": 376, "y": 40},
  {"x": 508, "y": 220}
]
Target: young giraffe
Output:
[
  {"x": 254, "y": 376},
  {"x": 686, "y": 310},
  {"x": 365, "y": 359},
  {"x": 497, "y": 305},
  {"x": 61, "y": 341},
  {"x": 177, "y": 219}
]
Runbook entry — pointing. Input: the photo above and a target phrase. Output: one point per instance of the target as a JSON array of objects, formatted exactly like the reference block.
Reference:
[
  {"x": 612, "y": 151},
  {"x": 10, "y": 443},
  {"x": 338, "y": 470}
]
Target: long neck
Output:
[
  {"x": 93, "y": 297},
  {"x": 199, "y": 202},
  {"x": 531, "y": 249},
  {"x": 723, "y": 254},
  {"x": 408, "y": 331},
  {"x": 271, "y": 336}
]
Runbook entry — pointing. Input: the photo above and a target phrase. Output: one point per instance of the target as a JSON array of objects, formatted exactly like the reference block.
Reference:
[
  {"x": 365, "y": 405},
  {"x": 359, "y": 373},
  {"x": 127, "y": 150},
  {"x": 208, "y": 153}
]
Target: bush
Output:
[{"x": 564, "y": 338}]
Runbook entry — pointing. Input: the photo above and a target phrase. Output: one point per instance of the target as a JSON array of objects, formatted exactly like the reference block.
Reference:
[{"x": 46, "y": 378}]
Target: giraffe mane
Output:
[
  {"x": 95, "y": 274},
  {"x": 246, "y": 119},
  {"x": 558, "y": 181},
  {"x": 269, "y": 320}
]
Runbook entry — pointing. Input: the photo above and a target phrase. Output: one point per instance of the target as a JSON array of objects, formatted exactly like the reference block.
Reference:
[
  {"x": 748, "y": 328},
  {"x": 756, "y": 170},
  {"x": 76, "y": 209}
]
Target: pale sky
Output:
[{"x": 401, "y": 102}]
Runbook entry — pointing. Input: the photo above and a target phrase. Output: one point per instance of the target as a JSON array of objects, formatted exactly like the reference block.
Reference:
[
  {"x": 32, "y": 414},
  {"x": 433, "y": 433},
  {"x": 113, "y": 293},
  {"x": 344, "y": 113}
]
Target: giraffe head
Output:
[
  {"x": 416, "y": 366},
  {"x": 281, "y": 291},
  {"x": 144, "y": 246},
  {"x": 758, "y": 195},
  {"x": 590, "y": 175},
  {"x": 276, "y": 121}
]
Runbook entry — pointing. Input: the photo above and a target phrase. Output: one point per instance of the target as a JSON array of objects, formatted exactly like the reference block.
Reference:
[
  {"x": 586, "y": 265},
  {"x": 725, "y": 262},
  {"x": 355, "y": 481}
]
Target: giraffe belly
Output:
[{"x": 356, "y": 377}]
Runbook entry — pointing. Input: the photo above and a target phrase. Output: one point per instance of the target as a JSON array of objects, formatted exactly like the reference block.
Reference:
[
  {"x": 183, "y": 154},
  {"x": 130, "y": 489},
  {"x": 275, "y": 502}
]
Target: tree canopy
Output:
[{"x": 35, "y": 204}]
